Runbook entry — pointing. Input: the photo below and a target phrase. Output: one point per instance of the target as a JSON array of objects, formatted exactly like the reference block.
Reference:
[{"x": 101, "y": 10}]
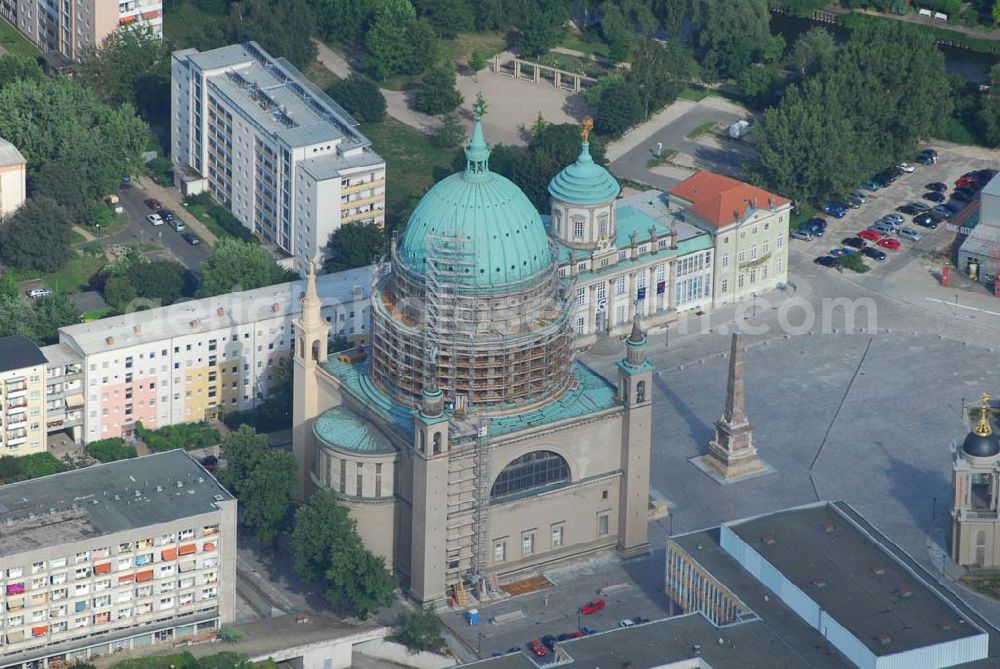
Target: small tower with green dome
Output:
[{"x": 583, "y": 199}]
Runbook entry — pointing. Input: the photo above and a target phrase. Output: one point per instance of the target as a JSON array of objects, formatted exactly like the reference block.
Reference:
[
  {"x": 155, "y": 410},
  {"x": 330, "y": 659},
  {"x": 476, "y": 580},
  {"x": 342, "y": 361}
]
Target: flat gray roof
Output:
[
  {"x": 853, "y": 579},
  {"x": 17, "y": 352},
  {"x": 277, "y": 96},
  {"x": 212, "y": 313},
  {"x": 104, "y": 499},
  {"x": 332, "y": 165}
]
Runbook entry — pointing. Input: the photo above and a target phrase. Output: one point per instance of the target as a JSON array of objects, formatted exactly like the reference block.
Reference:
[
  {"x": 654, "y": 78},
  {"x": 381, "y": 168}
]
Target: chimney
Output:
[
  {"x": 194, "y": 324},
  {"x": 109, "y": 340},
  {"x": 884, "y": 639},
  {"x": 276, "y": 307},
  {"x": 137, "y": 328},
  {"x": 769, "y": 540},
  {"x": 736, "y": 215},
  {"x": 357, "y": 292},
  {"x": 770, "y": 203},
  {"x": 220, "y": 312}
]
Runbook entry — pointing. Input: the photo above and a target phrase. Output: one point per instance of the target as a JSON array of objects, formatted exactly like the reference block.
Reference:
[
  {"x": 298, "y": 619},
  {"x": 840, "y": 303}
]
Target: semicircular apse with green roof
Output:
[{"x": 482, "y": 216}]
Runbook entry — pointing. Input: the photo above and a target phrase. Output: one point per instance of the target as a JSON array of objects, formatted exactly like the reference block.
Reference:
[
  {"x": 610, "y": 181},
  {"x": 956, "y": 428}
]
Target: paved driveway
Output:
[
  {"x": 723, "y": 157},
  {"x": 139, "y": 230}
]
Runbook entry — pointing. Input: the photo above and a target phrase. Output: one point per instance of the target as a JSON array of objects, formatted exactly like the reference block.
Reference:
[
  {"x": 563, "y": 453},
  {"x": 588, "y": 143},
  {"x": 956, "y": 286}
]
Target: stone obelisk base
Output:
[{"x": 725, "y": 467}]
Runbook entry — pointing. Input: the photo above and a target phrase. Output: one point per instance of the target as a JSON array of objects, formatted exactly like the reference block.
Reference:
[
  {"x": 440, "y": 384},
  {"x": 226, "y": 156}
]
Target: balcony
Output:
[
  {"x": 14, "y": 406},
  {"x": 362, "y": 185},
  {"x": 18, "y": 420}
]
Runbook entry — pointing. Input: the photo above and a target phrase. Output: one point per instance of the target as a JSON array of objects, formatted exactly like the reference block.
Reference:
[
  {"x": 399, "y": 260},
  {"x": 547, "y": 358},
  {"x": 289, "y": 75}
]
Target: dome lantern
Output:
[{"x": 981, "y": 442}]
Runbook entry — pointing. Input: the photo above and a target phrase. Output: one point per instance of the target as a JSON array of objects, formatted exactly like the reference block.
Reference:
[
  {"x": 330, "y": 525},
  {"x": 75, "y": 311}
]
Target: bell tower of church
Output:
[
  {"x": 635, "y": 379},
  {"x": 311, "y": 333}
]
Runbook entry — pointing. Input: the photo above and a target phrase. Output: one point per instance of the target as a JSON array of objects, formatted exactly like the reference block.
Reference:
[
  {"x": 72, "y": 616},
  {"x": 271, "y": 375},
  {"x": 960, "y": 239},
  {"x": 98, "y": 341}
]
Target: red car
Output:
[
  {"x": 966, "y": 181},
  {"x": 537, "y": 648},
  {"x": 870, "y": 235},
  {"x": 889, "y": 243},
  {"x": 153, "y": 204},
  {"x": 592, "y": 606}
]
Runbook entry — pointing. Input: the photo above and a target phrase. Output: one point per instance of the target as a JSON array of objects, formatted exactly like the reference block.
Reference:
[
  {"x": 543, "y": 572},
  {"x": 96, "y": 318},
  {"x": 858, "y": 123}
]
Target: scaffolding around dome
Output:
[{"x": 490, "y": 352}]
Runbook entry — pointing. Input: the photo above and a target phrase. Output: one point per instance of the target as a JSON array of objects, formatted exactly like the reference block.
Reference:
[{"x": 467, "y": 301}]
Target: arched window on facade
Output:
[
  {"x": 437, "y": 443},
  {"x": 640, "y": 391},
  {"x": 529, "y": 472},
  {"x": 315, "y": 350}
]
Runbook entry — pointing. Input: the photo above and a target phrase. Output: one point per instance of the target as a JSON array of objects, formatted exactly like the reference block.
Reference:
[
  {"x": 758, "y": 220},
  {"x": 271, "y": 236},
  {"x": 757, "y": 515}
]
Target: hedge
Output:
[
  {"x": 14, "y": 469},
  {"x": 189, "y": 436},
  {"x": 109, "y": 450}
]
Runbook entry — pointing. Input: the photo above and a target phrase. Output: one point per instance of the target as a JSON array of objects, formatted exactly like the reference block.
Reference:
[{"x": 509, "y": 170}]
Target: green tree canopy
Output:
[
  {"x": 620, "y": 108},
  {"x": 64, "y": 184},
  {"x": 812, "y": 51},
  {"x": 262, "y": 478},
  {"x": 360, "y": 96},
  {"x": 420, "y": 631},
  {"x": 342, "y": 20},
  {"x": 37, "y": 236},
  {"x": 437, "y": 92},
  {"x": 355, "y": 244},
  {"x": 732, "y": 34},
  {"x": 15, "y": 67},
  {"x": 237, "y": 265},
  {"x": 326, "y": 549},
  {"x": 387, "y": 40},
  {"x": 543, "y": 31},
  {"x": 658, "y": 73},
  {"x": 120, "y": 68},
  {"x": 282, "y": 27},
  {"x": 47, "y": 315},
  {"x": 449, "y": 17}
]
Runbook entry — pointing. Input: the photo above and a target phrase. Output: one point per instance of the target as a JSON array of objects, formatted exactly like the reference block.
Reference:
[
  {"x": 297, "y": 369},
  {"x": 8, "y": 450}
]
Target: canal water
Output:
[{"x": 972, "y": 65}]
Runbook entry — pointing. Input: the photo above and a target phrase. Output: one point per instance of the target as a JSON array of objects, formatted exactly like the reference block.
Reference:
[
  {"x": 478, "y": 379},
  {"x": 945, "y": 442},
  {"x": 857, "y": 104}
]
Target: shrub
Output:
[
  {"x": 189, "y": 436},
  {"x": 110, "y": 450},
  {"x": 26, "y": 467}
]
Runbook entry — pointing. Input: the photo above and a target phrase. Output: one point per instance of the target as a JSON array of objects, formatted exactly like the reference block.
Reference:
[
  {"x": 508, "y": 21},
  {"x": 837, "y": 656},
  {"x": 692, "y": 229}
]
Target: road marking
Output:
[
  {"x": 962, "y": 306},
  {"x": 991, "y": 313},
  {"x": 933, "y": 299}
]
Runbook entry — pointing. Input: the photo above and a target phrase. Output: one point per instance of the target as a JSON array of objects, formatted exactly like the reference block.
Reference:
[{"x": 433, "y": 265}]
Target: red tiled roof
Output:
[{"x": 721, "y": 200}]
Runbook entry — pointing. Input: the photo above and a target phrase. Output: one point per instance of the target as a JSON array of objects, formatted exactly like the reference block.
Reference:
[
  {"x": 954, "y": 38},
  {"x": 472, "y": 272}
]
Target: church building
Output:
[{"x": 467, "y": 441}]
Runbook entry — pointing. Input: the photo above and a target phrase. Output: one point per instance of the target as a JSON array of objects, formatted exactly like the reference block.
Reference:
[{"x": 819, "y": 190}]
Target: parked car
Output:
[
  {"x": 814, "y": 226},
  {"x": 835, "y": 209},
  {"x": 894, "y": 218},
  {"x": 906, "y": 167},
  {"x": 935, "y": 196},
  {"x": 926, "y": 160},
  {"x": 889, "y": 243},
  {"x": 178, "y": 225},
  {"x": 35, "y": 293},
  {"x": 909, "y": 233},
  {"x": 837, "y": 252},
  {"x": 870, "y": 235},
  {"x": 588, "y": 630},
  {"x": 965, "y": 181},
  {"x": 154, "y": 219},
  {"x": 874, "y": 253},
  {"x": 126, "y": 182},
  {"x": 514, "y": 649},
  {"x": 883, "y": 229},
  {"x": 986, "y": 175},
  {"x": 943, "y": 210},
  {"x": 191, "y": 238},
  {"x": 537, "y": 648},
  {"x": 639, "y": 620},
  {"x": 870, "y": 185},
  {"x": 910, "y": 210},
  {"x": 855, "y": 242},
  {"x": 963, "y": 194},
  {"x": 166, "y": 215},
  {"x": 826, "y": 261},
  {"x": 859, "y": 195},
  {"x": 853, "y": 202},
  {"x": 804, "y": 235},
  {"x": 921, "y": 206},
  {"x": 936, "y": 185},
  {"x": 153, "y": 204},
  {"x": 627, "y": 622},
  {"x": 549, "y": 641},
  {"x": 593, "y": 606}
]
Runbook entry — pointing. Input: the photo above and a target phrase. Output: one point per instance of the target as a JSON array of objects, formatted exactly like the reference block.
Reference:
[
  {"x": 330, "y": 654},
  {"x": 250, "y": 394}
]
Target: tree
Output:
[
  {"x": 732, "y": 34},
  {"x": 282, "y": 27},
  {"x": 37, "y": 236},
  {"x": 64, "y": 184},
  {"x": 126, "y": 65},
  {"x": 658, "y": 72},
  {"x": 995, "y": 12},
  {"x": 119, "y": 293},
  {"x": 110, "y": 450},
  {"x": 420, "y": 631},
  {"x": 989, "y": 120},
  {"x": 450, "y": 133},
  {"x": 326, "y": 549},
  {"x": 50, "y": 313},
  {"x": 234, "y": 265},
  {"x": 342, "y": 20},
  {"x": 761, "y": 85},
  {"x": 354, "y": 244},
  {"x": 262, "y": 478},
  {"x": 275, "y": 411},
  {"x": 541, "y": 34},
  {"x": 387, "y": 38},
  {"x": 423, "y": 47},
  {"x": 620, "y": 108},
  {"x": 616, "y": 32},
  {"x": 812, "y": 51},
  {"x": 437, "y": 92},
  {"x": 360, "y": 96},
  {"x": 449, "y": 17},
  {"x": 15, "y": 67},
  {"x": 477, "y": 61}
]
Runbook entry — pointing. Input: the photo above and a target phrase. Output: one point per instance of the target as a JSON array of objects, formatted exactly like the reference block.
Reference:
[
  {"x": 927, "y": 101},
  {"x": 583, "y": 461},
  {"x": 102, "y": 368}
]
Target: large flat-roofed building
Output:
[
  {"x": 285, "y": 158},
  {"x": 112, "y": 557},
  {"x": 67, "y": 27},
  {"x": 22, "y": 396},
  {"x": 13, "y": 178},
  {"x": 189, "y": 361}
]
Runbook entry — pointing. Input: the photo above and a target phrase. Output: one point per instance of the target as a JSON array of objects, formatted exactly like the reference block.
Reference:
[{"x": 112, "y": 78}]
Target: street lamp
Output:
[
  {"x": 666, "y": 336},
  {"x": 754, "y": 314}
]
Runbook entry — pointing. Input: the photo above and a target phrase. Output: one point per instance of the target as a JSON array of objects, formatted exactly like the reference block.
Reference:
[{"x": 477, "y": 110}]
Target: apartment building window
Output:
[
  {"x": 581, "y": 296},
  {"x": 557, "y": 536},
  {"x": 499, "y": 551},
  {"x": 725, "y": 261},
  {"x": 620, "y": 286},
  {"x": 527, "y": 544},
  {"x": 602, "y": 524},
  {"x": 778, "y": 241}
]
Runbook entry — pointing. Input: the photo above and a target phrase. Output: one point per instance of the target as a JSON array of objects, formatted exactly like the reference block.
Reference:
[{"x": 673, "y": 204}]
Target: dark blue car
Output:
[{"x": 835, "y": 209}]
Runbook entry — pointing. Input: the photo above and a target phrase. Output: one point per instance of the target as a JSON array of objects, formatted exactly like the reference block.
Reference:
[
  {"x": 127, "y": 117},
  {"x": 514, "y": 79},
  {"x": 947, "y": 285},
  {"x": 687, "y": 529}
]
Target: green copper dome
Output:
[
  {"x": 486, "y": 222},
  {"x": 584, "y": 182}
]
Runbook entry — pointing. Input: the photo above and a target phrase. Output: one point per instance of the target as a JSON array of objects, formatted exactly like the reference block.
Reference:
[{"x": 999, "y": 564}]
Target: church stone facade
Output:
[{"x": 466, "y": 440}]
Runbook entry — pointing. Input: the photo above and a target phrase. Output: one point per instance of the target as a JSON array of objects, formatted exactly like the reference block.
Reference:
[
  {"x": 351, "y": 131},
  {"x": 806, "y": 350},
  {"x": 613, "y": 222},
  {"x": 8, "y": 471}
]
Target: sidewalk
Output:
[{"x": 172, "y": 200}]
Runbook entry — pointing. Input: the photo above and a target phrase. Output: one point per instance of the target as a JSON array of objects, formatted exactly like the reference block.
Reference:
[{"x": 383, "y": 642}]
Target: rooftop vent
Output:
[
  {"x": 769, "y": 540},
  {"x": 180, "y": 484},
  {"x": 220, "y": 312},
  {"x": 276, "y": 307},
  {"x": 109, "y": 340},
  {"x": 905, "y": 591},
  {"x": 194, "y": 323},
  {"x": 827, "y": 528},
  {"x": 159, "y": 488},
  {"x": 820, "y": 583},
  {"x": 137, "y": 329},
  {"x": 357, "y": 291},
  {"x": 218, "y": 498},
  {"x": 118, "y": 498},
  {"x": 884, "y": 639},
  {"x": 879, "y": 570},
  {"x": 696, "y": 649},
  {"x": 944, "y": 625},
  {"x": 201, "y": 479}
]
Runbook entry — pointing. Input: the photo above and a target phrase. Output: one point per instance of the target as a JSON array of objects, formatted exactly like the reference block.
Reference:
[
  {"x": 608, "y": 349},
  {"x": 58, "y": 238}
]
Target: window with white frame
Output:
[
  {"x": 499, "y": 551},
  {"x": 527, "y": 544},
  {"x": 557, "y": 536},
  {"x": 620, "y": 286}
]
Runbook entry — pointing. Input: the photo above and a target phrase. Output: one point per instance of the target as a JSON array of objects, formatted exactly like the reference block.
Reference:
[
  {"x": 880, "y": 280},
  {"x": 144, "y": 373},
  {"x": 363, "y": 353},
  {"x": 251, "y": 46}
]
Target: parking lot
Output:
[{"x": 908, "y": 188}]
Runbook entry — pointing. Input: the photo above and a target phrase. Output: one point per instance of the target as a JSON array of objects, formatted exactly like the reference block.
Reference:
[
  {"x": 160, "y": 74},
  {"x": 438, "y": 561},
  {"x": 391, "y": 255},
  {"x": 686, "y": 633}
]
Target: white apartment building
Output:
[
  {"x": 13, "y": 179},
  {"x": 113, "y": 557},
  {"x": 189, "y": 361},
  {"x": 265, "y": 142},
  {"x": 67, "y": 26},
  {"x": 22, "y": 397}
]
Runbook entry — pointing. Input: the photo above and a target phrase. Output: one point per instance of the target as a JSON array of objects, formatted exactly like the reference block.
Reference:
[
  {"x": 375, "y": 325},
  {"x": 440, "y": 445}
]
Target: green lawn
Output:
[
  {"x": 318, "y": 73},
  {"x": 413, "y": 163},
  {"x": 805, "y": 213},
  {"x": 75, "y": 237},
  {"x": 12, "y": 41},
  {"x": 702, "y": 129},
  {"x": 75, "y": 276},
  {"x": 694, "y": 93},
  {"x": 582, "y": 43},
  {"x": 460, "y": 49}
]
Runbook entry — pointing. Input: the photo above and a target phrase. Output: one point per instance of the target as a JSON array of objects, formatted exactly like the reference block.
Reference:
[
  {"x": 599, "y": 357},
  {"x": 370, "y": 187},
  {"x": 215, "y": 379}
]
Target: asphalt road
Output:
[
  {"x": 139, "y": 230},
  {"x": 632, "y": 165}
]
